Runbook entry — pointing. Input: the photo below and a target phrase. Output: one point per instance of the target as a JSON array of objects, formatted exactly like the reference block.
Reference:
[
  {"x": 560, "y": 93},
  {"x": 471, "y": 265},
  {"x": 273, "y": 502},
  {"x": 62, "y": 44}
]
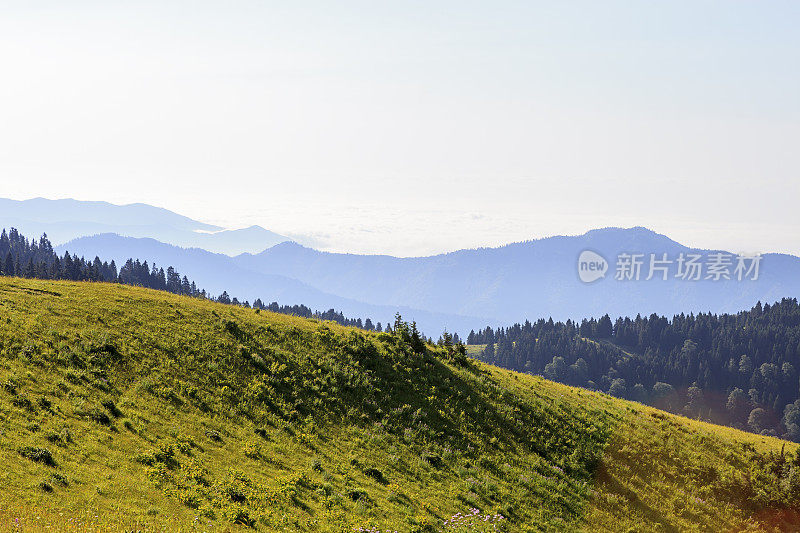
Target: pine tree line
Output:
[
  {"x": 307, "y": 312},
  {"x": 29, "y": 258},
  {"x": 734, "y": 369}
]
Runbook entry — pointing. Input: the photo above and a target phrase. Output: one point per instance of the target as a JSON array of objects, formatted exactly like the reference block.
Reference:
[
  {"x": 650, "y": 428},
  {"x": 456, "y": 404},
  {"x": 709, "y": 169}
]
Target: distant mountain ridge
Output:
[
  {"x": 470, "y": 289},
  {"x": 218, "y": 272},
  {"x": 529, "y": 279},
  {"x": 458, "y": 291},
  {"x": 67, "y": 219}
]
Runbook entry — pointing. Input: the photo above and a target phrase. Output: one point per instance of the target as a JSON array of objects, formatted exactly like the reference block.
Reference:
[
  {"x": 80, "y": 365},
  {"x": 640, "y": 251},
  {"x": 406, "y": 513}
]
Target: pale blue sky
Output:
[{"x": 414, "y": 127}]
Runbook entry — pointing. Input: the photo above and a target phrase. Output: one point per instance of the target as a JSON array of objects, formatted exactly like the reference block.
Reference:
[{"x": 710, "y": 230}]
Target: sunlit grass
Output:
[{"x": 162, "y": 412}]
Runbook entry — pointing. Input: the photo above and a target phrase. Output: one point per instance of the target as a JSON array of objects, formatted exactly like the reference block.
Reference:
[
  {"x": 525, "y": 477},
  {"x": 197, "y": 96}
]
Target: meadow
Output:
[{"x": 129, "y": 408}]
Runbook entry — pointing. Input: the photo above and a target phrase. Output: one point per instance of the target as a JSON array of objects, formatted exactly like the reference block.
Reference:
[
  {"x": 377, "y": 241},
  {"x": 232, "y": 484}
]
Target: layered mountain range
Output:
[{"x": 457, "y": 291}]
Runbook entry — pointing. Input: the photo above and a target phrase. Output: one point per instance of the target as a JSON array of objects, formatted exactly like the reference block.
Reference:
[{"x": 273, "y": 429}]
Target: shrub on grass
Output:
[
  {"x": 164, "y": 454},
  {"x": 214, "y": 435},
  {"x": 147, "y": 459},
  {"x": 263, "y": 433},
  {"x": 252, "y": 450},
  {"x": 74, "y": 376},
  {"x": 234, "y": 494},
  {"x": 23, "y": 402},
  {"x": 357, "y": 494},
  {"x": 375, "y": 474},
  {"x": 238, "y": 515},
  {"x": 99, "y": 416},
  {"x": 38, "y": 455},
  {"x": 433, "y": 460},
  {"x": 112, "y": 408}
]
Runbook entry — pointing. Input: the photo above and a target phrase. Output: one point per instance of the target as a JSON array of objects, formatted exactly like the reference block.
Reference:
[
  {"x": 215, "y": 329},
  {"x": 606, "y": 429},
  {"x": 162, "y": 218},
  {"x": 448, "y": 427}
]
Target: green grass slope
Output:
[{"x": 128, "y": 408}]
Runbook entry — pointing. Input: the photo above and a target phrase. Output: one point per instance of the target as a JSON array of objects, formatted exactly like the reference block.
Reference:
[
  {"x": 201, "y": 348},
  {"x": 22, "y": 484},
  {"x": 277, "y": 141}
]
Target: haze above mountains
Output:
[
  {"x": 64, "y": 220},
  {"x": 458, "y": 291}
]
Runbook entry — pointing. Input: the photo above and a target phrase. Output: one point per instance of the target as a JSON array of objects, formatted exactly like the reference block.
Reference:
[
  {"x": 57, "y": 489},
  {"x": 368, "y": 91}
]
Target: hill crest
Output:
[{"x": 147, "y": 408}]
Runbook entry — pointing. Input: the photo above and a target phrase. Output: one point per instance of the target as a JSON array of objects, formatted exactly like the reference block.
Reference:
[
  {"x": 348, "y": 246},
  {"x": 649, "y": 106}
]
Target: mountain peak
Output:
[{"x": 633, "y": 230}]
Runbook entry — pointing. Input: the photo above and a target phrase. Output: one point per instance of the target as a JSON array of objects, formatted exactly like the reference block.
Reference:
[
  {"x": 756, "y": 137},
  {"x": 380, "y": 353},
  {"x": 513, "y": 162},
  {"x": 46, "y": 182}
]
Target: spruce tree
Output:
[{"x": 8, "y": 269}]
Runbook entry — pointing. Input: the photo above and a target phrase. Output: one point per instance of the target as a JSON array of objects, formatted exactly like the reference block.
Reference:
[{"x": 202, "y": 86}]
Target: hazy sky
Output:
[{"x": 414, "y": 127}]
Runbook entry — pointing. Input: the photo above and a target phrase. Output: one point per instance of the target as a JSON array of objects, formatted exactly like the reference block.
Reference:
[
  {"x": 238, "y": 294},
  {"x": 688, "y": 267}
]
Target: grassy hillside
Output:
[{"x": 125, "y": 407}]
